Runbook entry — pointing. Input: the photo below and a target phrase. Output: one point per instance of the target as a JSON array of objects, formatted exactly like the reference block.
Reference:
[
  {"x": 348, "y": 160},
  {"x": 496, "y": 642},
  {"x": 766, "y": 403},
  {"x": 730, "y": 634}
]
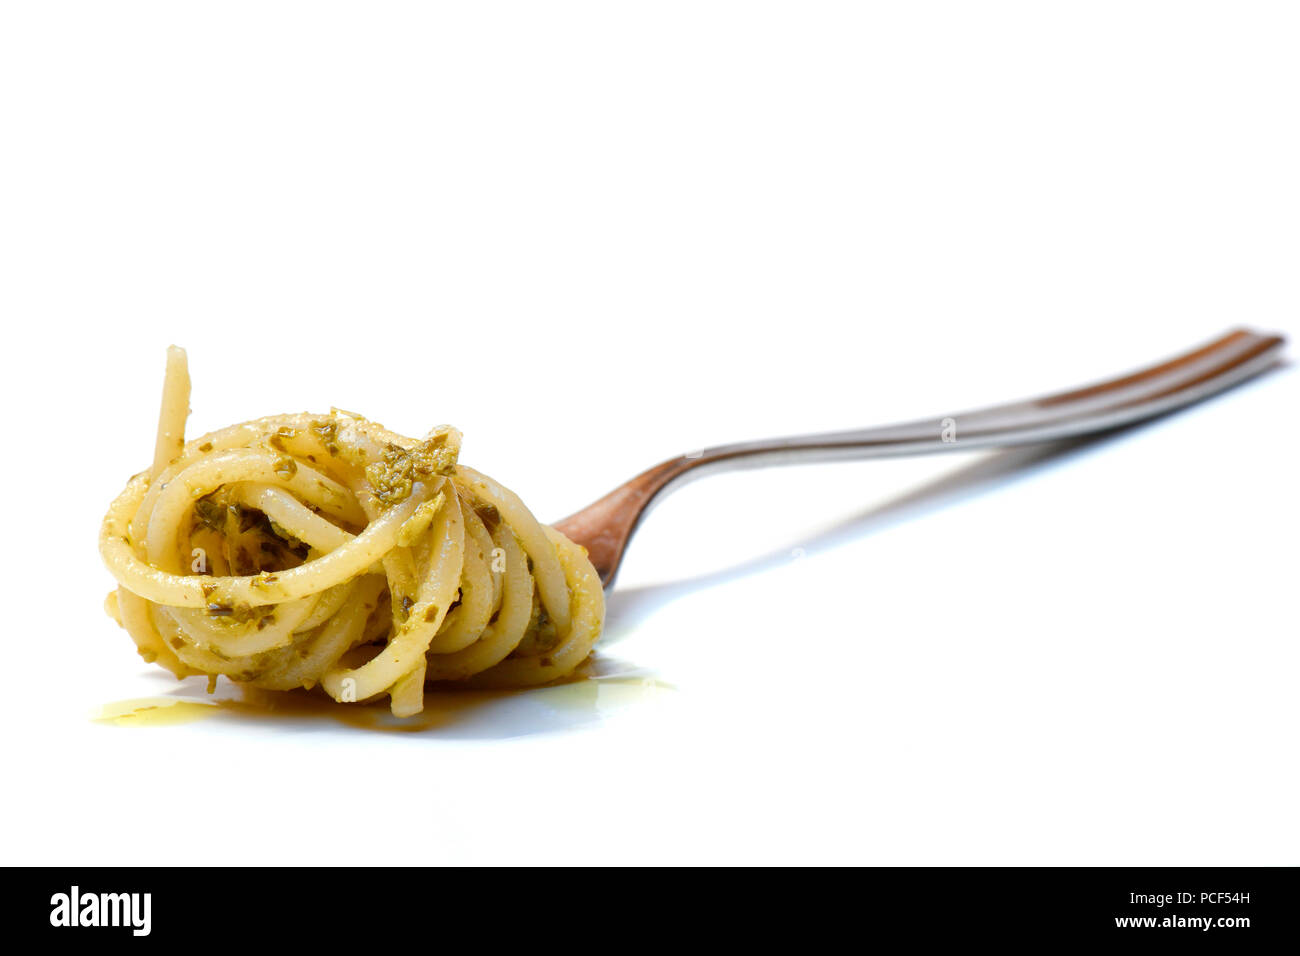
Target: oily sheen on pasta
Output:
[{"x": 326, "y": 551}]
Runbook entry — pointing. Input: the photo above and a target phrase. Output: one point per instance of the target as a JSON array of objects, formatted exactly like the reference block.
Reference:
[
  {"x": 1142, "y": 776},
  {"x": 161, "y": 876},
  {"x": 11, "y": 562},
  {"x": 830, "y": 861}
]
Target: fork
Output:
[{"x": 605, "y": 526}]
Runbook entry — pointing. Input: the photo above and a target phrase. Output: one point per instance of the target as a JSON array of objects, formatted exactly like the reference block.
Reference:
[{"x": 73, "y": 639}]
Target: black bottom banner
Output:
[{"x": 1231, "y": 908}]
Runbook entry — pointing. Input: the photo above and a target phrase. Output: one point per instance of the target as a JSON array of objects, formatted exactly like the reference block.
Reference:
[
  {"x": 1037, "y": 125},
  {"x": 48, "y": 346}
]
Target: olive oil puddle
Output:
[
  {"x": 600, "y": 689},
  {"x": 156, "y": 711}
]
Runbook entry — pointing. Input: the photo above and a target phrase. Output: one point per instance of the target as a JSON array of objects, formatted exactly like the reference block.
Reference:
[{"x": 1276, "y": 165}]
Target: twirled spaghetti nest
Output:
[{"x": 324, "y": 550}]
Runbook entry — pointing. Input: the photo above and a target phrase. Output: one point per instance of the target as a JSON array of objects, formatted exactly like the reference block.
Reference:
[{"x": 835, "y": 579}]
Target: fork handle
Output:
[{"x": 605, "y": 526}]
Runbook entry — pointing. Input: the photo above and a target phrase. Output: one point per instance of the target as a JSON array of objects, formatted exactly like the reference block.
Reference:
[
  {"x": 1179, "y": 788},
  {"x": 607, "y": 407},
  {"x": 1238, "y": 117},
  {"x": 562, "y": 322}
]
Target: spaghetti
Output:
[{"x": 324, "y": 550}]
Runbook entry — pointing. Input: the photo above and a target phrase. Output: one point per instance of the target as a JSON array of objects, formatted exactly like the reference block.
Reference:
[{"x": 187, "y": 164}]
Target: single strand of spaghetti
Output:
[
  {"x": 504, "y": 634},
  {"x": 117, "y": 526},
  {"x": 292, "y": 515},
  {"x": 316, "y": 575},
  {"x": 546, "y": 565},
  {"x": 588, "y": 618},
  {"x": 407, "y": 646},
  {"x": 407, "y": 694},
  {"x": 174, "y": 410},
  {"x": 399, "y": 568},
  {"x": 111, "y": 608}
]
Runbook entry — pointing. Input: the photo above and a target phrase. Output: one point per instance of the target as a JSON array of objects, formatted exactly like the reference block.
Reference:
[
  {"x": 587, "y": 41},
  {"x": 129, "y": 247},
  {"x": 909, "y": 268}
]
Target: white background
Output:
[{"x": 597, "y": 235}]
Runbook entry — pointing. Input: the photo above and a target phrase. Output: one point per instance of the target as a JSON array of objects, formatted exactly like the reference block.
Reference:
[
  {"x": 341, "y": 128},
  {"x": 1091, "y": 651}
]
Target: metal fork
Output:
[{"x": 605, "y": 526}]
